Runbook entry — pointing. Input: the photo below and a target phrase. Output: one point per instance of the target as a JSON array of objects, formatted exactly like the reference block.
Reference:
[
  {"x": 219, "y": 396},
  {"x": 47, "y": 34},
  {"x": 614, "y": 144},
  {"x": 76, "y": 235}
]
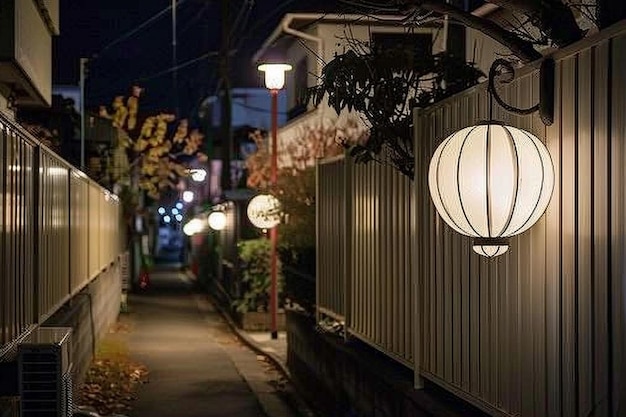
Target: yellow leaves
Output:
[
  {"x": 147, "y": 127},
  {"x": 133, "y": 106},
  {"x": 192, "y": 143},
  {"x": 181, "y": 132},
  {"x": 154, "y": 153},
  {"x": 121, "y": 112}
]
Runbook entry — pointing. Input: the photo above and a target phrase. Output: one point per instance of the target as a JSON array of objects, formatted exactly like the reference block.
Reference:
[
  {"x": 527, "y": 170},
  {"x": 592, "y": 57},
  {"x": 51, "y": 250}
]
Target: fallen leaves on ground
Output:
[{"x": 113, "y": 379}]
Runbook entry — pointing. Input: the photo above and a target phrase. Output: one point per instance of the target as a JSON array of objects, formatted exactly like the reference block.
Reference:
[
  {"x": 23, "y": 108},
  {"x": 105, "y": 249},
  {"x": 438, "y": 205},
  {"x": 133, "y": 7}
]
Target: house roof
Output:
[{"x": 299, "y": 21}]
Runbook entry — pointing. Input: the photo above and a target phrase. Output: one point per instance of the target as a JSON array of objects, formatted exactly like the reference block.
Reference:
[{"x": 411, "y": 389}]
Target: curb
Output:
[{"x": 298, "y": 402}]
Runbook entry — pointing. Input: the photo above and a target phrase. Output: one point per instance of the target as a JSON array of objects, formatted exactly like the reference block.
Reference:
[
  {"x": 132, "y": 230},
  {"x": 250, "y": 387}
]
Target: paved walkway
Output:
[{"x": 198, "y": 368}]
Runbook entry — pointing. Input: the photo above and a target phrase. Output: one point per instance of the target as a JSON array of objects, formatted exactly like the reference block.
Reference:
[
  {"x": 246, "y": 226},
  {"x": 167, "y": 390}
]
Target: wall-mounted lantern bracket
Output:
[{"x": 546, "y": 88}]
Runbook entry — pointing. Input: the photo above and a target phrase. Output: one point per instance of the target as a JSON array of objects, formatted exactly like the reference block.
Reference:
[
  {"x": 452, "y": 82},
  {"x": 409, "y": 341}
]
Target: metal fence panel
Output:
[
  {"x": 381, "y": 259},
  {"x": 53, "y": 219},
  {"x": 17, "y": 211},
  {"x": 50, "y": 221},
  {"x": 538, "y": 331},
  {"x": 79, "y": 226},
  {"x": 330, "y": 205}
]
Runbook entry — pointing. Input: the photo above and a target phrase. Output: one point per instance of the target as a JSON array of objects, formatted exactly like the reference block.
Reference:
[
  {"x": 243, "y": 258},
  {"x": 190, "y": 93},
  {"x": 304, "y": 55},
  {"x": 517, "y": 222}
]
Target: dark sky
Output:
[{"x": 102, "y": 29}]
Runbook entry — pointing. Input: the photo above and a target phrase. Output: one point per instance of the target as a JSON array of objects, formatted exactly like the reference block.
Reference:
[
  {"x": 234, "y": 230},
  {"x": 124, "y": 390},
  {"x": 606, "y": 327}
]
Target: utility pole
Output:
[
  {"x": 83, "y": 63},
  {"x": 226, "y": 100},
  {"x": 174, "y": 61}
]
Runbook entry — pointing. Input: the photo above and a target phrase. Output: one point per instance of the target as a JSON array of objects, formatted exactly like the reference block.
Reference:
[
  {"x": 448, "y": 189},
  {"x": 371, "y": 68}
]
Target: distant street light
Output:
[
  {"x": 274, "y": 68},
  {"x": 188, "y": 196},
  {"x": 167, "y": 219},
  {"x": 161, "y": 210},
  {"x": 198, "y": 175}
]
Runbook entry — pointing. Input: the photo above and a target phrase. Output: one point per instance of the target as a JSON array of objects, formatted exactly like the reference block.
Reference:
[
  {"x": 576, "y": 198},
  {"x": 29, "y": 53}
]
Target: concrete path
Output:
[{"x": 197, "y": 366}]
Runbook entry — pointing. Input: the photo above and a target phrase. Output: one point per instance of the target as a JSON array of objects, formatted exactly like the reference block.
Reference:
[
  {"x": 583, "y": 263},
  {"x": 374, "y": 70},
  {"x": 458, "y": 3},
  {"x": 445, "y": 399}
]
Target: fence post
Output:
[
  {"x": 347, "y": 245},
  {"x": 36, "y": 231},
  {"x": 417, "y": 270},
  {"x": 317, "y": 240}
]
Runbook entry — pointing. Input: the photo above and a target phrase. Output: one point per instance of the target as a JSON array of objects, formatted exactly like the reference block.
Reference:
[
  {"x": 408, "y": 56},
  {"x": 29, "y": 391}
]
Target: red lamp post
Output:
[{"x": 274, "y": 81}]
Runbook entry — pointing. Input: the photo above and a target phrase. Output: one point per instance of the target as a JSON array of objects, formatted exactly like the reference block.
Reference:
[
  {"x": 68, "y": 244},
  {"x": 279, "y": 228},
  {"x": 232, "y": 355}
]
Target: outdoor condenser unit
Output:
[{"x": 45, "y": 373}]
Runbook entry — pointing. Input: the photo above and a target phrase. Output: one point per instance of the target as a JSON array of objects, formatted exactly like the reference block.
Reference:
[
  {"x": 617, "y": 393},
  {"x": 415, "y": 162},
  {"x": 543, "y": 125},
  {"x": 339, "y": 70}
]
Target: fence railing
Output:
[
  {"x": 58, "y": 231},
  {"x": 540, "y": 330}
]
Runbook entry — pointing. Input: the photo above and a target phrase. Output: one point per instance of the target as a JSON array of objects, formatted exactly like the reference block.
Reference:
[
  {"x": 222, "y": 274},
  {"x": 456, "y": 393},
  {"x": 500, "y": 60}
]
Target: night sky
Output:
[{"x": 101, "y": 29}]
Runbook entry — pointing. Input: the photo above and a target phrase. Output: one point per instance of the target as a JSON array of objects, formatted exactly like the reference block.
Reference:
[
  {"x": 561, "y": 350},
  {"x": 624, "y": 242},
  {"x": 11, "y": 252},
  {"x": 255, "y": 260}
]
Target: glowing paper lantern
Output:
[
  {"x": 491, "y": 182},
  {"x": 217, "y": 220},
  {"x": 264, "y": 211},
  {"x": 193, "y": 226}
]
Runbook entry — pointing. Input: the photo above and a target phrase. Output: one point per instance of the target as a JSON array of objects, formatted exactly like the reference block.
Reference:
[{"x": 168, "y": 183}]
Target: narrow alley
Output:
[{"x": 197, "y": 367}]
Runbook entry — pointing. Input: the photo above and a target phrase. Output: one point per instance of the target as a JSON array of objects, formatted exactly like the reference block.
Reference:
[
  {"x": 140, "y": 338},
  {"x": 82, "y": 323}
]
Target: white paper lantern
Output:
[
  {"x": 264, "y": 211},
  {"x": 217, "y": 220},
  {"x": 192, "y": 227},
  {"x": 491, "y": 182}
]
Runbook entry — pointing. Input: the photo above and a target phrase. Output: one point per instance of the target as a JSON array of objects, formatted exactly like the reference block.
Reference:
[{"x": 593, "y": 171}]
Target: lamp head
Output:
[{"x": 274, "y": 65}]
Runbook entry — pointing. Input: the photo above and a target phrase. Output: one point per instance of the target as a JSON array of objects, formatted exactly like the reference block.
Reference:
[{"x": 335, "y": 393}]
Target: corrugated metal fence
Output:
[
  {"x": 539, "y": 331},
  {"x": 365, "y": 217},
  {"x": 59, "y": 230}
]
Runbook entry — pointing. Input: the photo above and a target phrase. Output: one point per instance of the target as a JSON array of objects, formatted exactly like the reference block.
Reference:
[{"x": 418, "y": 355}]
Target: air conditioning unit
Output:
[{"x": 45, "y": 373}]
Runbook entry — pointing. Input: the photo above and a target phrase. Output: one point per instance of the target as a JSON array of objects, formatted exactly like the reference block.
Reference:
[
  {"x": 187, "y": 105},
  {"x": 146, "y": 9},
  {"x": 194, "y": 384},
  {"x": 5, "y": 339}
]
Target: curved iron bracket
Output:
[{"x": 546, "y": 89}]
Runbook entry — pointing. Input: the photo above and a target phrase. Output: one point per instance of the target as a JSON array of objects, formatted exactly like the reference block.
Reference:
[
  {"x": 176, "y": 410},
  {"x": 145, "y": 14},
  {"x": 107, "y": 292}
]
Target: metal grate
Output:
[{"x": 45, "y": 368}]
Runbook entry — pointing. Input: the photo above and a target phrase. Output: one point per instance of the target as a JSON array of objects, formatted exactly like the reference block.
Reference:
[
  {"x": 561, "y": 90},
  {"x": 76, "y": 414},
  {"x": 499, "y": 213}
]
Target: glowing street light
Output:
[
  {"x": 161, "y": 210},
  {"x": 188, "y": 196},
  {"x": 179, "y": 217},
  {"x": 198, "y": 175},
  {"x": 274, "y": 68},
  {"x": 179, "y": 205},
  {"x": 167, "y": 219}
]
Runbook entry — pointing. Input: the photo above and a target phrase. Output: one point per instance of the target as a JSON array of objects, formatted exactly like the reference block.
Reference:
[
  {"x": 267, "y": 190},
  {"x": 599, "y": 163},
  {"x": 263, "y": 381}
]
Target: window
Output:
[{"x": 300, "y": 77}]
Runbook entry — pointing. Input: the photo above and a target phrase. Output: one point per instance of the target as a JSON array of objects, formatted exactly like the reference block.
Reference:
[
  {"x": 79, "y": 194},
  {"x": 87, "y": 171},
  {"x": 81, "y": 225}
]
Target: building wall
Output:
[{"x": 33, "y": 46}]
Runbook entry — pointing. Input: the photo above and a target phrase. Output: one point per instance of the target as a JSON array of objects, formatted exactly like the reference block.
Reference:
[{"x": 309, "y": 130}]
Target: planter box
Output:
[{"x": 261, "y": 321}]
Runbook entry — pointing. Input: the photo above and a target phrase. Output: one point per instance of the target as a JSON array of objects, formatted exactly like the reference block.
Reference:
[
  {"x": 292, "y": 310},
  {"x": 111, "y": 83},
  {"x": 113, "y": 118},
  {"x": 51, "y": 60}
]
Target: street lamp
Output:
[{"x": 274, "y": 68}]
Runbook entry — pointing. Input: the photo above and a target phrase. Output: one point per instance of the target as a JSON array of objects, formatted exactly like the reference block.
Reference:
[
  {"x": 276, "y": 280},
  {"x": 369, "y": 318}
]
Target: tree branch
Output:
[
  {"x": 519, "y": 47},
  {"x": 552, "y": 17}
]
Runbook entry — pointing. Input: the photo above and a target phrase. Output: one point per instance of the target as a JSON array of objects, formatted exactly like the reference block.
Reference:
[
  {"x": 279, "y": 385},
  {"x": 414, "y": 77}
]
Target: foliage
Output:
[
  {"x": 255, "y": 254},
  {"x": 159, "y": 158},
  {"x": 519, "y": 25},
  {"x": 295, "y": 187},
  {"x": 383, "y": 85}
]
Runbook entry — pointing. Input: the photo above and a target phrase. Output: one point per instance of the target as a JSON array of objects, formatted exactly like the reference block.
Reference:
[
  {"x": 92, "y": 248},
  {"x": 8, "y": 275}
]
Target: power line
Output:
[
  {"x": 180, "y": 66},
  {"x": 134, "y": 31}
]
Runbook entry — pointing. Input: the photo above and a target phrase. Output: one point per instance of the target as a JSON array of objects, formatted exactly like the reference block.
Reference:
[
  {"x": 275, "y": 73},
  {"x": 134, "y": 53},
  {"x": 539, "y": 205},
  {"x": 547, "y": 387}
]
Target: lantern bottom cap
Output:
[{"x": 490, "y": 247}]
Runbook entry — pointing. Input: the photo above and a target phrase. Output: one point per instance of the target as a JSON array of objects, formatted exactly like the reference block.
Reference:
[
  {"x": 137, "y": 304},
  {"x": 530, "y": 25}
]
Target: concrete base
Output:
[
  {"x": 260, "y": 321},
  {"x": 353, "y": 379}
]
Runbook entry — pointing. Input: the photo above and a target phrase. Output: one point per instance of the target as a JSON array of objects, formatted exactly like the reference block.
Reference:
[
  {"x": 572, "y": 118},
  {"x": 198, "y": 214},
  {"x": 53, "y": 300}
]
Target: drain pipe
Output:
[{"x": 286, "y": 27}]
